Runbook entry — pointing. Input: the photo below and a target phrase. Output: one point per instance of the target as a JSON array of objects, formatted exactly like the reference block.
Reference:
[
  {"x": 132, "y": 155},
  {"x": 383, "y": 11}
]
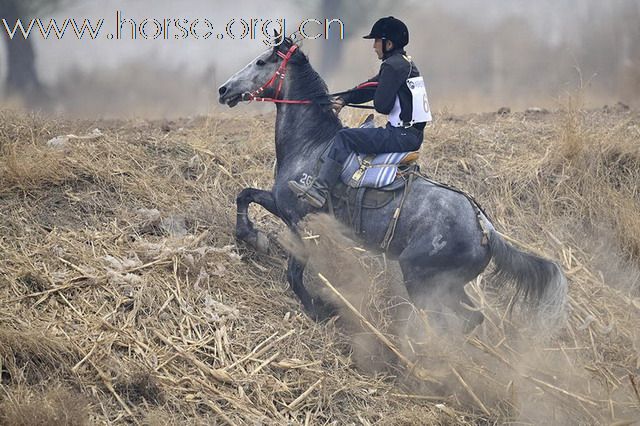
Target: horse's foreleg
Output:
[
  {"x": 314, "y": 306},
  {"x": 245, "y": 230}
]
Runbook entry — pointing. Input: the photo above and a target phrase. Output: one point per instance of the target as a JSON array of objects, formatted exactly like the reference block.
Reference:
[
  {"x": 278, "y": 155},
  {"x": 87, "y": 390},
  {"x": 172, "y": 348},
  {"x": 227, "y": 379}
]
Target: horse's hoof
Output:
[
  {"x": 261, "y": 242},
  {"x": 256, "y": 240},
  {"x": 320, "y": 311}
]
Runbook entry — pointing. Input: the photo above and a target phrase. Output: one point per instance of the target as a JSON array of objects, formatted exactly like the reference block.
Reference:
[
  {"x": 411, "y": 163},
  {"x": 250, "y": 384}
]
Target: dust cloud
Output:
[{"x": 508, "y": 366}]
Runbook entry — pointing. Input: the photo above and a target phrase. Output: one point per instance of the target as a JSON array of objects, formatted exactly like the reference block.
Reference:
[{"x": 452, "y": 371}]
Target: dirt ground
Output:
[{"x": 124, "y": 297}]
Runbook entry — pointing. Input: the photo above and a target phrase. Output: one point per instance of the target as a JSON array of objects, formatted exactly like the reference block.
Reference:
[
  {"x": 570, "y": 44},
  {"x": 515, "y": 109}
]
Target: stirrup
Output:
[{"x": 306, "y": 194}]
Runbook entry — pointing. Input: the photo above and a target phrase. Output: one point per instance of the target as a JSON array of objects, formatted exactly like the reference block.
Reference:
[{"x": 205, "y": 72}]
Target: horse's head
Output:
[{"x": 253, "y": 79}]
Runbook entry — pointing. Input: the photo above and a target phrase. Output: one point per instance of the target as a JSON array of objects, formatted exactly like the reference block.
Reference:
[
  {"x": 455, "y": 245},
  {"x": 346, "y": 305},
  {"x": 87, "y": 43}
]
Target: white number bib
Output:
[
  {"x": 421, "y": 110},
  {"x": 420, "y": 104}
]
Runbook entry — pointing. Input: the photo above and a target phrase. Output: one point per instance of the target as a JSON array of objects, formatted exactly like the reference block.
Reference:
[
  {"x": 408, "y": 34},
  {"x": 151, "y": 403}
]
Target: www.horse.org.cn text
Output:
[{"x": 129, "y": 28}]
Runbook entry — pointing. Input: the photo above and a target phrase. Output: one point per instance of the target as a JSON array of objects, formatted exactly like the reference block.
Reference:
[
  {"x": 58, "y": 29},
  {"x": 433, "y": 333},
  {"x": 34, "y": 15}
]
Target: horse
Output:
[{"x": 440, "y": 239}]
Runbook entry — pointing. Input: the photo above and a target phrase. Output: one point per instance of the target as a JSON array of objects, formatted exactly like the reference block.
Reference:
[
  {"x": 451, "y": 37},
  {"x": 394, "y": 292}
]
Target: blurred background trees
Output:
[
  {"x": 22, "y": 79},
  {"x": 475, "y": 55}
]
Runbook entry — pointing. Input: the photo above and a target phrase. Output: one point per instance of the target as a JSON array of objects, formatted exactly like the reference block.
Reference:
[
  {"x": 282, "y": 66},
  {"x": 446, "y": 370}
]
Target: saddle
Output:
[
  {"x": 376, "y": 171},
  {"x": 372, "y": 182}
]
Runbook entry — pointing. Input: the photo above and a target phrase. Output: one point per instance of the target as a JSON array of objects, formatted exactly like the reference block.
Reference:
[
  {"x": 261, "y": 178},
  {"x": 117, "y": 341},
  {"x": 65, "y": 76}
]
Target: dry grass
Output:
[
  {"x": 56, "y": 406},
  {"x": 30, "y": 356},
  {"x": 121, "y": 278}
]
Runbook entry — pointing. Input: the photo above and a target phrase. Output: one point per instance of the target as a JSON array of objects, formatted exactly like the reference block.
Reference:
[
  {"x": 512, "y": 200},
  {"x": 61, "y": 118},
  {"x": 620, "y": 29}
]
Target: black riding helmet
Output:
[{"x": 390, "y": 28}]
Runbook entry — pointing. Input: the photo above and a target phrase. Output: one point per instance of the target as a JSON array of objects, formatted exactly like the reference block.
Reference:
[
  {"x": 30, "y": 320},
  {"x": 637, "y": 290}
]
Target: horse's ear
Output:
[{"x": 278, "y": 39}]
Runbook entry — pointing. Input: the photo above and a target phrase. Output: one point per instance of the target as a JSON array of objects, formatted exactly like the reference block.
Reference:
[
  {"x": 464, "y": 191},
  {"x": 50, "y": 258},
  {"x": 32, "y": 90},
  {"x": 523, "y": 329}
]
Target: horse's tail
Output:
[{"x": 539, "y": 281}]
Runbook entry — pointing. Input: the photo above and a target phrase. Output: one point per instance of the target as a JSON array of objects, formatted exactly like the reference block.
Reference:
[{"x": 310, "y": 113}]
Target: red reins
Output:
[
  {"x": 279, "y": 77},
  {"x": 367, "y": 84}
]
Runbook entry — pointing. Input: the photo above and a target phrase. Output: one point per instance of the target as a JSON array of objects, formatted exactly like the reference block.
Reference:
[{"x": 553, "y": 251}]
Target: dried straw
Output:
[{"x": 121, "y": 278}]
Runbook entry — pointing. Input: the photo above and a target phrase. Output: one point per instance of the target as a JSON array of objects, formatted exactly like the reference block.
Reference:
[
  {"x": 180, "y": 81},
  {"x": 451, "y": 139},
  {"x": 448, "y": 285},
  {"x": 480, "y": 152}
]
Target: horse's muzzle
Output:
[{"x": 229, "y": 100}]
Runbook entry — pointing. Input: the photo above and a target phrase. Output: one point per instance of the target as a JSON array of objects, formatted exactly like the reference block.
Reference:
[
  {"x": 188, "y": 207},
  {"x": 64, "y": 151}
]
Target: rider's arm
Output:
[
  {"x": 389, "y": 83},
  {"x": 363, "y": 92}
]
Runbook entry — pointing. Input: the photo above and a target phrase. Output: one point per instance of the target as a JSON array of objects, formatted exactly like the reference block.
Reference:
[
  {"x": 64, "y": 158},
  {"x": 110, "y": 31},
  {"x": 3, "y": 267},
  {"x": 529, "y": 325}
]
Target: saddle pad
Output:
[{"x": 381, "y": 171}]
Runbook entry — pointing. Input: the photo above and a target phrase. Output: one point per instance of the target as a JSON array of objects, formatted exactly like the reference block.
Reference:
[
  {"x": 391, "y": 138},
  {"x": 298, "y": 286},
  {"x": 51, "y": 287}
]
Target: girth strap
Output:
[
  {"x": 391, "y": 229},
  {"x": 357, "y": 214}
]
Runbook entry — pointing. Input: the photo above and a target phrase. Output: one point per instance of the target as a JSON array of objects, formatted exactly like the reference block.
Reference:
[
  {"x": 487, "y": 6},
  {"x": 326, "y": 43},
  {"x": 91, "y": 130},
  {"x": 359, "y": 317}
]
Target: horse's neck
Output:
[{"x": 301, "y": 129}]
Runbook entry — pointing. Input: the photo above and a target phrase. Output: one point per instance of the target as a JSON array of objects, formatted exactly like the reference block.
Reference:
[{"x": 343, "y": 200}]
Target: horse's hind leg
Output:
[
  {"x": 437, "y": 285},
  {"x": 442, "y": 295},
  {"x": 245, "y": 230}
]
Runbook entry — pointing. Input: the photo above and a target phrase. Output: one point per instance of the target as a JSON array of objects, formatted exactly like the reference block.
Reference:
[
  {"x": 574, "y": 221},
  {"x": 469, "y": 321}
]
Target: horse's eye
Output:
[{"x": 260, "y": 62}]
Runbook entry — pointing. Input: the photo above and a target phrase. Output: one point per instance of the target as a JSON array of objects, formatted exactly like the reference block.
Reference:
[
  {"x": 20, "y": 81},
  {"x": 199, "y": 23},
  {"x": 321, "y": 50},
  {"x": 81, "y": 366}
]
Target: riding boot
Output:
[{"x": 317, "y": 192}]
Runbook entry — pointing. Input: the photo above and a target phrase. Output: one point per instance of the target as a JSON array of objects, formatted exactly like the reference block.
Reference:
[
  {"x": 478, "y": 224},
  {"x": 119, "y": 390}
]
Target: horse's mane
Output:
[
  {"x": 314, "y": 86},
  {"x": 321, "y": 123}
]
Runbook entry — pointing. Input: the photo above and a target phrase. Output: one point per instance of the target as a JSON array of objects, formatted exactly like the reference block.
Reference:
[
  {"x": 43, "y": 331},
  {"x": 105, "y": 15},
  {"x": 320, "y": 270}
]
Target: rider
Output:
[{"x": 397, "y": 91}]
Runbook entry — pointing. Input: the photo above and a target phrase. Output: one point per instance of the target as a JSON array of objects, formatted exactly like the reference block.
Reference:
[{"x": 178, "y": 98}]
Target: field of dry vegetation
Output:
[{"x": 124, "y": 297}]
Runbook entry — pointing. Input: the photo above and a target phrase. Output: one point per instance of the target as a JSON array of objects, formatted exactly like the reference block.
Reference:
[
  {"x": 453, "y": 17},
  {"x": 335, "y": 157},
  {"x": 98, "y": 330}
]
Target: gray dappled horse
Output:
[{"x": 439, "y": 240}]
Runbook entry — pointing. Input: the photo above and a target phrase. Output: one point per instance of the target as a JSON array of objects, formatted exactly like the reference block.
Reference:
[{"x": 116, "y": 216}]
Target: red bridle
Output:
[{"x": 279, "y": 78}]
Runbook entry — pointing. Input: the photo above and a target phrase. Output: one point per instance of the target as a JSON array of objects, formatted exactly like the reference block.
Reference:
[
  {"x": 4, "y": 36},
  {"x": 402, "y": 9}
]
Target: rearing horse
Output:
[{"x": 438, "y": 240}]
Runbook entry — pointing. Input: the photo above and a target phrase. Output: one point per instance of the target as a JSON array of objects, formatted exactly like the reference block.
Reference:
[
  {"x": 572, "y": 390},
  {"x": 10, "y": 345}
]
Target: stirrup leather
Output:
[{"x": 312, "y": 194}]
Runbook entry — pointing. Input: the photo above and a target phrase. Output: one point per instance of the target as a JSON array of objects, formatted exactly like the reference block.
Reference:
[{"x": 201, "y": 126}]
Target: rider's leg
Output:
[
  {"x": 318, "y": 190},
  {"x": 316, "y": 194},
  {"x": 362, "y": 140},
  {"x": 380, "y": 140}
]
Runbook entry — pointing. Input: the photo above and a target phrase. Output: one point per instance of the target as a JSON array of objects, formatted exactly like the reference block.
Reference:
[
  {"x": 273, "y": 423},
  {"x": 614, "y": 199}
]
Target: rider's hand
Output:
[{"x": 337, "y": 104}]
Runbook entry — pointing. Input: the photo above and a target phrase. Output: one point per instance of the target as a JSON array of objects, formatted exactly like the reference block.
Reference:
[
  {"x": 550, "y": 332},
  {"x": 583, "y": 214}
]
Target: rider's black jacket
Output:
[{"x": 394, "y": 72}]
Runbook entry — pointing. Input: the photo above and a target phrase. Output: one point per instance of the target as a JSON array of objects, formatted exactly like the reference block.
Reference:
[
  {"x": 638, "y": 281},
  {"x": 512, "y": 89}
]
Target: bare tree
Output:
[{"x": 22, "y": 77}]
